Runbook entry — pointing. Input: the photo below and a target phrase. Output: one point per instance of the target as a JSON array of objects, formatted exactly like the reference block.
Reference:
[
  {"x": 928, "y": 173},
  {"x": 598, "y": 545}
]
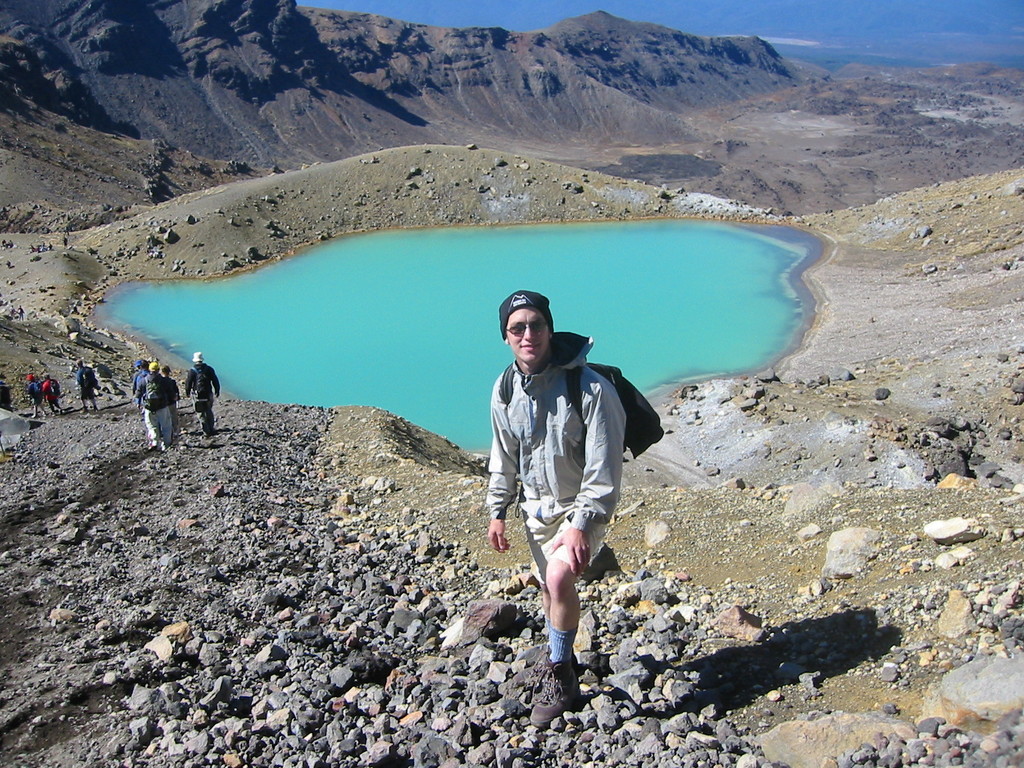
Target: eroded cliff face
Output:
[
  {"x": 27, "y": 84},
  {"x": 257, "y": 49},
  {"x": 596, "y": 75},
  {"x": 266, "y": 81},
  {"x": 653, "y": 64}
]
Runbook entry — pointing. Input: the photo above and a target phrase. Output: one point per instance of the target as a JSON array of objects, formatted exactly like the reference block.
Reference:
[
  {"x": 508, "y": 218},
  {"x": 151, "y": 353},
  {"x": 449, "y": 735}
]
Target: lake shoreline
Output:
[
  {"x": 711, "y": 258},
  {"x": 812, "y": 296}
]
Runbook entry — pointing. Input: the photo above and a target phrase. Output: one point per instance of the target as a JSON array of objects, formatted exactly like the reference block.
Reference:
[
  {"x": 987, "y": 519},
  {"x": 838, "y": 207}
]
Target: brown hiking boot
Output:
[{"x": 555, "y": 690}]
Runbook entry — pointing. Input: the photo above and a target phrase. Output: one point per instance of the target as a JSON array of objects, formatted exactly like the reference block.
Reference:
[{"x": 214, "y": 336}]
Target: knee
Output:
[{"x": 560, "y": 581}]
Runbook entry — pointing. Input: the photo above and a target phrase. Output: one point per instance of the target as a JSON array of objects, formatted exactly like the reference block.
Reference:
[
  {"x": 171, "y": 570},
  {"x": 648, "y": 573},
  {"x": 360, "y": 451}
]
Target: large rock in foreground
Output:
[
  {"x": 978, "y": 694},
  {"x": 809, "y": 743}
]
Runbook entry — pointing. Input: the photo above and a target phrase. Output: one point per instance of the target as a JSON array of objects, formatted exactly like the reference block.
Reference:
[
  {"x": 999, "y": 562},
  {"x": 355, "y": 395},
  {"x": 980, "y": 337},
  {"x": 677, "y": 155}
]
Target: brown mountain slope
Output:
[
  {"x": 296, "y": 85},
  {"x": 864, "y": 135},
  {"x": 61, "y": 174},
  {"x": 589, "y": 78},
  {"x": 264, "y": 81}
]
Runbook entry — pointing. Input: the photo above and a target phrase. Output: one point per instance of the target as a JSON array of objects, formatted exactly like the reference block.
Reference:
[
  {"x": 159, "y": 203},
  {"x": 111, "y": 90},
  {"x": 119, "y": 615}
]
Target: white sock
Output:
[{"x": 560, "y": 644}]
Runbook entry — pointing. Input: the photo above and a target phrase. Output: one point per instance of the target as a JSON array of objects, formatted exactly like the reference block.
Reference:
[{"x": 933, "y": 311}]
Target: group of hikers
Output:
[
  {"x": 154, "y": 392},
  {"x": 43, "y": 248},
  {"x": 45, "y": 392}
]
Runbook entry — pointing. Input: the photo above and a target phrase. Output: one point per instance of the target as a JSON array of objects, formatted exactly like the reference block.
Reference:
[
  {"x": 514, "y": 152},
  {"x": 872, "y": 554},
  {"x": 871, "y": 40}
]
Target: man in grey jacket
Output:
[{"x": 564, "y": 466}]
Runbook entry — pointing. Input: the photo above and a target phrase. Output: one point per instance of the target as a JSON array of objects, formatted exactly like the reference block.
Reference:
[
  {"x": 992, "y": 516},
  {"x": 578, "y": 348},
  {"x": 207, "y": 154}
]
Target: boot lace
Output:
[{"x": 547, "y": 686}]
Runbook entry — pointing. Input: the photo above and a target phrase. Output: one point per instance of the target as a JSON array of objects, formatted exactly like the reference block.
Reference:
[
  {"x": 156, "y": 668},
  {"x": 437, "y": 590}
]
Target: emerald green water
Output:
[{"x": 408, "y": 320}]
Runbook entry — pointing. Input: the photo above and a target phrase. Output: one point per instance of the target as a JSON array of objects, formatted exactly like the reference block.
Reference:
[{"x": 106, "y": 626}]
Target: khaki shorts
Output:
[{"x": 540, "y": 535}]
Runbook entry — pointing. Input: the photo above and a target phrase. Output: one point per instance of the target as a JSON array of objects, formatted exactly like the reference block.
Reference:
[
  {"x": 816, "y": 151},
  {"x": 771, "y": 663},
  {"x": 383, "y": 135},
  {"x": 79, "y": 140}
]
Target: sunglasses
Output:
[{"x": 535, "y": 326}]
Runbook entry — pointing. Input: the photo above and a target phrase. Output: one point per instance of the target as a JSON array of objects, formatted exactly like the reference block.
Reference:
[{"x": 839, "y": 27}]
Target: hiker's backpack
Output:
[
  {"x": 155, "y": 397},
  {"x": 643, "y": 425},
  {"x": 87, "y": 378},
  {"x": 202, "y": 387}
]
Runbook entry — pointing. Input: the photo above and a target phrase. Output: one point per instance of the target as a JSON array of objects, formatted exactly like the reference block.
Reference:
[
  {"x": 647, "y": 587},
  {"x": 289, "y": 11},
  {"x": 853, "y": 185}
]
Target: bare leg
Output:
[{"x": 561, "y": 601}]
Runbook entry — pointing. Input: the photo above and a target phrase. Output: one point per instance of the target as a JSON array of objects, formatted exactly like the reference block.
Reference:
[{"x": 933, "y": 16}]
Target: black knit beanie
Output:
[{"x": 521, "y": 299}]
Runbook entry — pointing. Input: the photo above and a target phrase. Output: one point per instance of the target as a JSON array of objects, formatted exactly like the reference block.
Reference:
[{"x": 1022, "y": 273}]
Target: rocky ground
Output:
[
  {"x": 284, "y": 594},
  {"x": 292, "y": 592}
]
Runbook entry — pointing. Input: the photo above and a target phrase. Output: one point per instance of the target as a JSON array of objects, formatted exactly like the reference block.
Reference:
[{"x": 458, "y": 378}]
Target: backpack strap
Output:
[
  {"x": 573, "y": 383},
  {"x": 572, "y": 380},
  {"x": 505, "y": 388}
]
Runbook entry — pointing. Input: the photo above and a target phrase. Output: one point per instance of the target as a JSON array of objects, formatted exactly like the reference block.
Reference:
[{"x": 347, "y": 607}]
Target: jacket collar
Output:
[{"x": 568, "y": 350}]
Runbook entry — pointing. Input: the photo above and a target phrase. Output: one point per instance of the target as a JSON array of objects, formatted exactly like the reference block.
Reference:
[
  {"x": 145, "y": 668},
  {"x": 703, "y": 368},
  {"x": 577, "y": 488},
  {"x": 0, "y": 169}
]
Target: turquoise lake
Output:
[{"x": 407, "y": 320}]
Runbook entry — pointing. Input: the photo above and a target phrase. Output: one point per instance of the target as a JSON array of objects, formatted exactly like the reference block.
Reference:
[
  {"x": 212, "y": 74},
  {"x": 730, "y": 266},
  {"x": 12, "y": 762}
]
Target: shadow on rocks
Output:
[{"x": 807, "y": 652}]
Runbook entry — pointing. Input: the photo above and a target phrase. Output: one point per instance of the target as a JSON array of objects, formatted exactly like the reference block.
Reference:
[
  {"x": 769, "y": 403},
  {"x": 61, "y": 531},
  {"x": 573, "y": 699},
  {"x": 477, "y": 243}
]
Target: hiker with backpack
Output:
[
  {"x": 559, "y": 454},
  {"x": 140, "y": 372},
  {"x": 51, "y": 393},
  {"x": 202, "y": 385},
  {"x": 157, "y": 394},
  {"x": 87, "y": 382},
  {"x": 34, "y": 392}
]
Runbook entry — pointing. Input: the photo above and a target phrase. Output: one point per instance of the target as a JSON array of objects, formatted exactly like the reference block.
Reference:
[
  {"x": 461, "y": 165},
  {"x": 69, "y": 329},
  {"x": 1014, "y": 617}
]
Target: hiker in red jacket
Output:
[{"x": 51, "y": 393}]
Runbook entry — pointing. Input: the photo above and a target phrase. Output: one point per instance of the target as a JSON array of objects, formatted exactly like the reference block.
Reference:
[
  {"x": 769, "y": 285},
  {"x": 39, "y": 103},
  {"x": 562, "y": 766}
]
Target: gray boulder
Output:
[
  {"x": 848, "y": 552},
  {"x": 814, "y": 743},
  {"x": 976, "y": 695}
]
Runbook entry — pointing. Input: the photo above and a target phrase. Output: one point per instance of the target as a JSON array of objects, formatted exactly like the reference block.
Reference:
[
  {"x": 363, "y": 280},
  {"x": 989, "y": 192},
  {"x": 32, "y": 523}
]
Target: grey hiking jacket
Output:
[{"x": 539, "y": 440}]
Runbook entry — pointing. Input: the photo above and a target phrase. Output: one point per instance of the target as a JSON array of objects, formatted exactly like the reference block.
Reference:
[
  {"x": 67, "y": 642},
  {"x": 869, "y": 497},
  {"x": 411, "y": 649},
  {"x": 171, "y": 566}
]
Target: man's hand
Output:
[
  {"x": 576, "y": 547},
  {"x": 496, "y": 535}
]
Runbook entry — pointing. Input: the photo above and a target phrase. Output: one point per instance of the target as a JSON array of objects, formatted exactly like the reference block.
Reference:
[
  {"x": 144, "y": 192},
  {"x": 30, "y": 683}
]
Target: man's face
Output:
[{"x": 528, "y": 334}]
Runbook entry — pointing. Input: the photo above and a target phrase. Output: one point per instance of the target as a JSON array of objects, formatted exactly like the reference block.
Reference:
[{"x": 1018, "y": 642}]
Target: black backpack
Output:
[
  {"x": 202, "y": 387},
  {"x": 643, "y": 425}
]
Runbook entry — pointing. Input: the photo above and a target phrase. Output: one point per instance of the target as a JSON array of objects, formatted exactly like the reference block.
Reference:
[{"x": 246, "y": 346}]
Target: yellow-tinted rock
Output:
[
  {"x": 179, "y": 632},
  {"x": 957, "y": 482}
]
